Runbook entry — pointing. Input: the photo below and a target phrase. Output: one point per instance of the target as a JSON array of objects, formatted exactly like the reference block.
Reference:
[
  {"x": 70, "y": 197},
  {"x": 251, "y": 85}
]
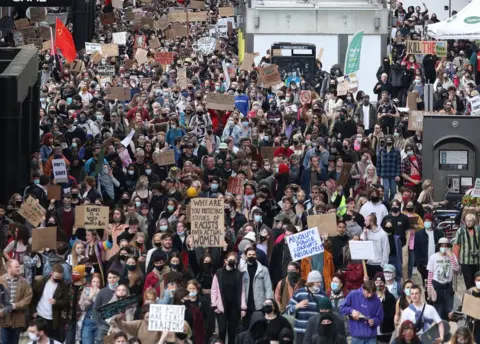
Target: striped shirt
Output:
[
  {"x": 469, "y": 249},
  {"x": 12, "y": 288},
  {"x": 303, "y": 314}
]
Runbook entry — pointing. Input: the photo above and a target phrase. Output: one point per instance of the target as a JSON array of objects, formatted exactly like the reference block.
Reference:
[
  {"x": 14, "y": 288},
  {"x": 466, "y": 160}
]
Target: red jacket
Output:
[
  {"x": 283, "y": 151},
  {"x": 145, "y": 114},
  {"x": 353, "y": 276},
  {"x": 152, "y": 281}
]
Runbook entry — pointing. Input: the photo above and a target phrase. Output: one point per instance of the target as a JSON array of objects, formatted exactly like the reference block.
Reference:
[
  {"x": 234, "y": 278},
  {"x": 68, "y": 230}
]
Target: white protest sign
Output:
[
  {"x": 475, "y": 103},
  {"x": 60, "y": 170},
  {"x": 206, "y": 45},
  {"x": 225, "y": 72},
  {"x": 126, "y": 141},
  {"x": 361, "y": 250},
  {"x": 166, "y": 318},
  {"x": 90, "y": 48},
  {"x": 120, "y": 37},
  {"x": 305, "y": 244},
  {"x": 106, "y": 70},
  {"x": 476, "y": 189}
]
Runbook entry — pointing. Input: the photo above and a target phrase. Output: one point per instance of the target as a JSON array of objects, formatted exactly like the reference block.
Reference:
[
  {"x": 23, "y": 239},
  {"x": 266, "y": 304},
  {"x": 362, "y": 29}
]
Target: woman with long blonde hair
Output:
[
  {"x": 78, "y": 252},
  {"x": 141, "y": 190}
]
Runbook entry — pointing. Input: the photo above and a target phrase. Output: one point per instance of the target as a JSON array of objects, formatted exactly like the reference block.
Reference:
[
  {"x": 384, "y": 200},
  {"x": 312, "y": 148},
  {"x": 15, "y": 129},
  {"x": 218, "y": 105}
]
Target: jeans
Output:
[
  {"x": 102, "y": 331},
  {"x": 10, "y": 335},
  {"x": 390, "y": 187},
  {"x": 89, "y": 331},
  {"x": 356, "y": 340}
]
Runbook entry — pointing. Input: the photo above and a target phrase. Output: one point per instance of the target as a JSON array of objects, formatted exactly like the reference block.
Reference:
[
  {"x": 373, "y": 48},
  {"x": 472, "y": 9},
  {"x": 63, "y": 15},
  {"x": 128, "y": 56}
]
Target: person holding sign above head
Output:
[
  {"x": 228, "y": 298},
  {"x": 381, "y": 246}
]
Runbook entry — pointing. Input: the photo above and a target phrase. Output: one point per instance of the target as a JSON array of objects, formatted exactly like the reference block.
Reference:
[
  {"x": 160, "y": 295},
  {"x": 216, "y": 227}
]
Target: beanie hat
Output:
[
  {"x": 314, "y": 276},
  {"x": 325, "y": 304},
  {"x": 428, "y": 216},
  {"x": 250, "y": 236},
  {"x": 191, "y": 192},
  {"x": 379, "y": 277},
  {"x": 283, "y": 168},
  {"x": 80, "y": 270}
]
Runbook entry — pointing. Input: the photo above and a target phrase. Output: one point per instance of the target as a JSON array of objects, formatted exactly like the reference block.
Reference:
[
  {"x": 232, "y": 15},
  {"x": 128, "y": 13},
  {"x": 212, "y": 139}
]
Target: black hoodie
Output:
[
  {"x": 256, "y": 333},
  {"x": 326, "y": 334}
]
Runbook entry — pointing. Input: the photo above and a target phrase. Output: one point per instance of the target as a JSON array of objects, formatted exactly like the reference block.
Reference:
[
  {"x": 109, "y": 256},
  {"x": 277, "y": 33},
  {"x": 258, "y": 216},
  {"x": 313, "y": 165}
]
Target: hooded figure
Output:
[
  {"x": 326, "y": 332},
  {"x": 286, "y": 336},
  {"x": 256, "y": 333}
]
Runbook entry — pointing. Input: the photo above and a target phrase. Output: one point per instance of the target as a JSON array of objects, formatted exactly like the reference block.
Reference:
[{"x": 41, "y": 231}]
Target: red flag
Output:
[{"x": 64, "y": 41}]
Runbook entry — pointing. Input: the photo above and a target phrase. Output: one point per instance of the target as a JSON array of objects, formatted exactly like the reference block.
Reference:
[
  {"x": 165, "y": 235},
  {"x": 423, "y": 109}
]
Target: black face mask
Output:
[
  {"x": 395, "y": 210},
  {"x": 58, "y": 280},
  {"x": 181, "y": 336},
  {"x": 231, "y": 263},
  {"x": 157, "y": 244},
  {"x": 159, "y": 267},
  {"x": 122, "y": 257},
  {"x": 75, "y": 195},
  {"x": 251, "y": 260},
  {"x": 267, "y": 309},
  {"x": 374, "y": 199},
  {"x": 293, "y": 276},
  {"x": 409, "y": 209}
]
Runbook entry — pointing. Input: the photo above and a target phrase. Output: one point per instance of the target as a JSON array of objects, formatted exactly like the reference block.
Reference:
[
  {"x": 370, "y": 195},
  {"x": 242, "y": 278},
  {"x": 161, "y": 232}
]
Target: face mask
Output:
[
  {"x": 175, "y": 266},
  {"x": 390, "y": 143},
  {"x": 148, "y": 172},
  {"x": 258, "y": 218},
  {"x": 410, "y": 153},
  {"x": 33, "y": 337},
  {"x": 137, "y": 204},
  {"x": 374, "y": 199},
  {"x": 36, "y": 181},
  {"x": 170, "y": 208},
  {"x": 130, "y": 172},
  {"x": 105, "y": 170},
  {"x": 334, "y": 286},
  {"x": 477, "y": 284},
  {"x": 193, "y": 294},
  {"x": 428, "y": 225},
  {"x": 214, "y": 187},
  {"x": 276, "y": 169},
  {"x": 181, "y": 336},
  {"x": 231, "y": 263},
  {"x": 245, "y": 124},
  {"x": 251, "y": 260},
  {"x": 407, "y": 291},
  {"x": 74, "y": 145},
  {"x": 388, "y": 276},
  {"x": 410, "y": 210},
  {"x": 159, "y": 267},
  {"x": 266, "y": 137},
  {"x": 163, "y": 228},
  {"x": 58, "y": 280},
  {"x": 267, "y": 309},
  {"x": 315, "y": 289},
  {"x": 131, "y": 267},
  {"x": 443, "y": 249},
  {"x": 395, "y": 209}
]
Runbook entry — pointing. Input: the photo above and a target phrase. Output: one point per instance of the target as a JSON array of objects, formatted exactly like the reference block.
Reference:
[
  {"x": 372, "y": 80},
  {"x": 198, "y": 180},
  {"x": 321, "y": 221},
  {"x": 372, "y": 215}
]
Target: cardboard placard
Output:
[
  {"x": 342, "y": 88},
  {"x": 361, "y": 250},
  {"x": 47, "y": 45},
  {"x": 412, "y": 100},
  {"x": 119, "y": 93},
  {"x": 181, "y": 17},
  {"x": 426, "y": 47},
  {"x": 107, "y": 18},
  {"x": 235, "y": 185},
  {"x": 147, "y": 21},
  {"x": 164, "y": 58},
  {"x": 169, "y": 34},
  {"x": 345, "y": 173},
  {"x": 415, "y": 120},
  {"x": 91, "y": 216},
  {"x": 119, "y": 37},
  {"x": 60, "y": 170},
  {"x": 117, "y": 4},
  {"x": 129, "y": 15},
  {"x": 128, "y": 64},
  {"x": 164, "y": 158},
  {"x": 45, "y": 32},
  {"x": 162, "y": 23},
  {"x": 38, "y": 14},
  {"x": 106, "y": 70},
  {"x": 182, "y": 79},
  {"x": 44, "y": 238},
  {"x": 247, "y": 61},
  {"x": 197, "y": 5},
  {"x": 166, "y": 318},
  {"x": 96, "y": 58},
  {"x": 219, "y": 101},
  {"x": 325, "y": 223},
  {"x": 154, "y": 43},
  {"x": 226, "y": 11},
  {"x": 90, "y": 48},
  {"x": 268, "y": 152},
  {"x": 207, "y": 222},
  {"x": 179, "y": 30},
  {"x": 77, "y": 66},
  {"x": 113, "y": 308},
  {"x": 28, "y": 32},
  {"x": 141, "y": 56},
  {"x": 32, "y": 211},
  {"x": 304, "y": 244},
  {"x": 109, "y": 50},
  {"x": 21, "y": 23},
  {"x": 270, "y": 76},
  {"x": 54, "y": 191}
]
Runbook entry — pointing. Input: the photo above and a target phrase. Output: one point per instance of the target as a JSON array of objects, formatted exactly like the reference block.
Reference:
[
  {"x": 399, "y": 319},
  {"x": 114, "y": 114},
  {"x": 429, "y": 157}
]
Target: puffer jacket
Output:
[{"x": 262, "y": 285}]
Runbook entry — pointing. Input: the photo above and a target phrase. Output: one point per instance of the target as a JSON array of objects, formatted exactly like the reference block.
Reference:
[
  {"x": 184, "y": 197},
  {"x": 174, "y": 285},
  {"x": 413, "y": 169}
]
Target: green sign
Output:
[
  {"x": 352, "y": 57},
  {"x": 472, "y": 20}
]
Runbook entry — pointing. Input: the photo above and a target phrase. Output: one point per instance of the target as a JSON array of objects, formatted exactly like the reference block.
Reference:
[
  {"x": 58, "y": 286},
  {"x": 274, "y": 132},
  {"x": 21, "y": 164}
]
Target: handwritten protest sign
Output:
[
  {"x": 208, "y": 222},
  {"x": 426, "y": 47},
  {"x": 471, "y": 306},
  {"x": 235, "y": 185},
  {"x": 120, "y": 93},
  {"x": 164, "y": 58},
  {"x": 141, "y": 56},
  {"x": 91, "y": 216},
  {"x": 166, "y": 318},
  {"x": 54, "y": 192},
  {"x": 270, "y": 75},
  {"x": 361, "y": 250},
  {"x": 32, "y": 211},
  {"x": 326, "y": 223},
  {"x": 304, "y": 244},
  {"x": 198, "y": 5},
  {"x": 90, "y": 48},
  {"x": 415, "y": 120},
  {"x": 165, "y": 158},
  {"x": 110, "y": 309},
  {"x": 226, "y": 11},
  {"x": 109, "y": 50},
  {"x": 247, "y": 62},
  {"x": 37, "y": 14},
  {"x": 475, "y": 105},
  {"x": 60, "y": 170},
  {"x": 182, "y": 80},
  {"x": 206, "y": 45},
  {"x": 192, "y": 16},
  {"x": 21, "y": 23},
  {"x": 219, "y": 101},
  {"x": 106, "y": 70},
  {"x": 119, "y": 37},
  {"x": 44, "y": 238},
  {"x": 154, "y": 43}
]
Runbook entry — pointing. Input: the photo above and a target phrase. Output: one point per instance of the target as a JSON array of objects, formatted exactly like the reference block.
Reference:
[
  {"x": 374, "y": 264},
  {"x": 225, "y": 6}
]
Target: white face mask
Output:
[
  {"x": 477, "y": 284},
  {"x": 33, "y": 337},
  {"x": 388, "y": 276}
]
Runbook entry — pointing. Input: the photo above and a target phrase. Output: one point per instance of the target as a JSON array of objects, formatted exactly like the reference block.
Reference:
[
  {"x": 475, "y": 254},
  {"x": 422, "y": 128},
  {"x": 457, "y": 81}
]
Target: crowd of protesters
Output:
[{"x": 338, "y": 154}]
